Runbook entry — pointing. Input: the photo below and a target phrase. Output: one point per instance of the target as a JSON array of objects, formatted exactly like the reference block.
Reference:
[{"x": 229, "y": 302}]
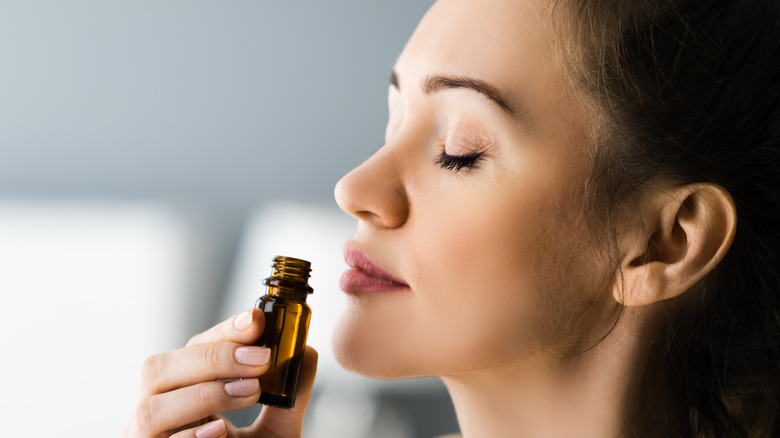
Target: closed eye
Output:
[{"x": 457, "y": 162}]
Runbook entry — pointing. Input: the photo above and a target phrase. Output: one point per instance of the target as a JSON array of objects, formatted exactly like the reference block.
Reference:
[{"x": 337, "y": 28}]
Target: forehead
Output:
[
  {"x": 511, "y": 44},
  {"x": 500, "y": 40}
]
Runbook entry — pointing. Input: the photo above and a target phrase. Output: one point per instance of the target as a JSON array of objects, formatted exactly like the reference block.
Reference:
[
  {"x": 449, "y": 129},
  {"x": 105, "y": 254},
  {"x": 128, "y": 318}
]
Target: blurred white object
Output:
[{"x": 89, "y": 290}]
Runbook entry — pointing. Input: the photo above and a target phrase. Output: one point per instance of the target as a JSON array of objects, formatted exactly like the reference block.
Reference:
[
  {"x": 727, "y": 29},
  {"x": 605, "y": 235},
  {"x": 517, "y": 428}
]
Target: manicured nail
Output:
[
  {"x": 211, "y": 430},
  {"x": 242, "y": 388},
  {"x": 243, "y": 320},
  {"x": 253, "y": 355}
]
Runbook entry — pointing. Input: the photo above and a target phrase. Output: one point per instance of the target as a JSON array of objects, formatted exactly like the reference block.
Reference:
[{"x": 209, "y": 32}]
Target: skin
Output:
[{"x": 534, "y": 331}]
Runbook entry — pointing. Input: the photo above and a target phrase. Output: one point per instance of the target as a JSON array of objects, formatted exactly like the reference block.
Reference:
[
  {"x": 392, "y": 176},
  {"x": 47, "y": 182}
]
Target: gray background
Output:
[
  {"x": 216, "y": 107},
  {"x": 219, "y": 106}
]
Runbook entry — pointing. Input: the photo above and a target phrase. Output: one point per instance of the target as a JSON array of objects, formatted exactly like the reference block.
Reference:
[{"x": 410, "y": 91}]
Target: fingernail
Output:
[
  {"x": 253, "y": 355},
  {"x": 242, "y": 388},
  {"x": 211, "y": 430},
  {"x": 243, "y": 320}
]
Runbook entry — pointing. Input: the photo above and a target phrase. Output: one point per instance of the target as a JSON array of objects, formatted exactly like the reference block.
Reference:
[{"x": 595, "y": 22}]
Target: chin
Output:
[{"x": 358, "y": 352}]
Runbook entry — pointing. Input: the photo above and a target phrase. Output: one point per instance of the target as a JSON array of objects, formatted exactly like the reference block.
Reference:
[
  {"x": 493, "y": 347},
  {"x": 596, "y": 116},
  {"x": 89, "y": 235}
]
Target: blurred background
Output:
[{"x": 154, "y": 157}]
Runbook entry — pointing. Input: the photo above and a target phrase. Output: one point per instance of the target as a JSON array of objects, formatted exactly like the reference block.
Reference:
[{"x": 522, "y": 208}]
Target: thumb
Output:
[{"x": 288, "y": 423}]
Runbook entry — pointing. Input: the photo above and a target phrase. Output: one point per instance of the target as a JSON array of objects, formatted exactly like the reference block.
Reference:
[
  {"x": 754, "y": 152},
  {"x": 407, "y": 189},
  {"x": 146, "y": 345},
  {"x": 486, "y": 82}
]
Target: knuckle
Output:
[
  {"x": 151, "y": 371},
  {"x": 202, "y": 396},
  {"x": 212, "y": 355},
  {"x": 145, "y": 413},
  {"x": 195, "y": 339}
]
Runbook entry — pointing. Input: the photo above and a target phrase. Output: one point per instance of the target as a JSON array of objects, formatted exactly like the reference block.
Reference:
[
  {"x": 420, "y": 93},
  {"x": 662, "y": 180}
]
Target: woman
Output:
[{"x": 572, "y": 222}]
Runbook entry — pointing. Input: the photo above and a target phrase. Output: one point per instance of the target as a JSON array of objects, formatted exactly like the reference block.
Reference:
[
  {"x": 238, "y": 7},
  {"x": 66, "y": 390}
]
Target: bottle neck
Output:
[{"x": 287, "y": 293}]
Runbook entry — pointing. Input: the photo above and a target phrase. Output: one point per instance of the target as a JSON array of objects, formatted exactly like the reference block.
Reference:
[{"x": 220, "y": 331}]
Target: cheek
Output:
[
  {"x": 482, "y": 232},
  {"x": 505, "y": 280},
  {"x": 482, "y": 267}
]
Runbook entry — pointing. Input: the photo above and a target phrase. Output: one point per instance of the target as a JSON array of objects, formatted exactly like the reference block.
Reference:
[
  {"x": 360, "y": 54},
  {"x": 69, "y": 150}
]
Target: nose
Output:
[{"x": 374, "y": 192}]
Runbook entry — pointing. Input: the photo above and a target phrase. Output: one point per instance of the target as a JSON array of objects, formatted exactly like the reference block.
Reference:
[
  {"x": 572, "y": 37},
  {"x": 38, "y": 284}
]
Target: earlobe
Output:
[{"x": 684, "y": 232}]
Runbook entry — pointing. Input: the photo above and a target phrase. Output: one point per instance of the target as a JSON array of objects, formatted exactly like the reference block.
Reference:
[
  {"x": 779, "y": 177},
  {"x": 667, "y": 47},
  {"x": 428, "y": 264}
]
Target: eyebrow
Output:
[{"x": 435, "y": 83}]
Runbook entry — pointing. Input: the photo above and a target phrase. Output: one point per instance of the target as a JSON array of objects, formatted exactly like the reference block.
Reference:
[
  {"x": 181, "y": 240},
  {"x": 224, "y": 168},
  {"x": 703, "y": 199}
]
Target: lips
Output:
[{"x": 365, "y": 276}]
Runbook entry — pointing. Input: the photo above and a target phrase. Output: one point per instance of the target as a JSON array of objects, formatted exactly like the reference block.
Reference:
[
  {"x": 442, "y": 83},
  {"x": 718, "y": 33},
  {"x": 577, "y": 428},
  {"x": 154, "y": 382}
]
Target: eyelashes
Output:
[{"x": 456, "y": 163}]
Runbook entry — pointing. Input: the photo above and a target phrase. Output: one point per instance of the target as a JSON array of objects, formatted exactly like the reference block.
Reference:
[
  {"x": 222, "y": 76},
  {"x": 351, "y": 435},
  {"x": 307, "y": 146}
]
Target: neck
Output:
[{"x": 607, "y": 391}]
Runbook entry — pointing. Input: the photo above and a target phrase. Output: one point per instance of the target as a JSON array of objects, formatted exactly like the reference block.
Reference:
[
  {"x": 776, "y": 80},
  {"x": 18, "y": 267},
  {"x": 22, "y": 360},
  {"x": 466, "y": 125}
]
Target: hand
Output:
[{"x": 181, "y": 396}]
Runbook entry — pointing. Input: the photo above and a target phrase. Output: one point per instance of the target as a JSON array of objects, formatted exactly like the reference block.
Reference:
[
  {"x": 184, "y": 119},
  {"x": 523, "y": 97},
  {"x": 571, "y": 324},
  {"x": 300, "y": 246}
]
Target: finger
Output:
[
  {"x": 214, "y": 429},
  {"x": 289, "y": 422},
  {"x": 172, "y": 410},
  {"x": 243, "y": 328},
  {"x": 201, "y": 363}
]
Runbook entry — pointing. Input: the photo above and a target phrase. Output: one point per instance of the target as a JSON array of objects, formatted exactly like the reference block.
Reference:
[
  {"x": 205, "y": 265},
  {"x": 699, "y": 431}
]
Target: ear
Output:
[{"x": 680, "y": 236}]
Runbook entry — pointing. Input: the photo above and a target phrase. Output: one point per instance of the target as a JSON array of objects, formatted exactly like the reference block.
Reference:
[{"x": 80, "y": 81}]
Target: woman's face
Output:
[{"x": 472, "y": 208}]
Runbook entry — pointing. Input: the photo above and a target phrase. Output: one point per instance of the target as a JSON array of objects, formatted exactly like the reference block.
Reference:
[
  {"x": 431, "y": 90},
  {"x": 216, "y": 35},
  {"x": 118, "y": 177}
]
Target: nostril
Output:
[{"x": 371, "y": 218}]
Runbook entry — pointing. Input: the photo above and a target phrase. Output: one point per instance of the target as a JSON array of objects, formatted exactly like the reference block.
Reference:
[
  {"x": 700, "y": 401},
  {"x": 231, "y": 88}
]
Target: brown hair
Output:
[{"x": 690, "y": 90}]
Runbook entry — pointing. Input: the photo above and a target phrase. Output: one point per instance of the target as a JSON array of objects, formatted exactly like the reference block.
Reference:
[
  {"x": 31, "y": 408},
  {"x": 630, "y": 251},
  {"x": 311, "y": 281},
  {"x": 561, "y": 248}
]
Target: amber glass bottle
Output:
[{"x": 286, "y": 323}]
